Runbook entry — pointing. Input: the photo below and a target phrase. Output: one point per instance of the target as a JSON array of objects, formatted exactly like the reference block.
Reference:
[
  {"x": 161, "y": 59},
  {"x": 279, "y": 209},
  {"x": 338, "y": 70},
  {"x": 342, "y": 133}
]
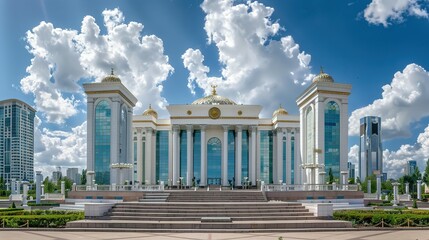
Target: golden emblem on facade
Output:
[{"x": 214, "y": 113}]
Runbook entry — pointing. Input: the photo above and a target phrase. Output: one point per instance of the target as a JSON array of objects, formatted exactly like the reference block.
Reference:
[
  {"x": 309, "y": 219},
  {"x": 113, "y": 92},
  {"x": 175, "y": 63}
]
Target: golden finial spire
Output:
[
  {"x": 111, "y": 73},
  {"x": 321, "y": 69},
  {"x": 150, "y": 106},
  {"x": 213, "y": 89}
]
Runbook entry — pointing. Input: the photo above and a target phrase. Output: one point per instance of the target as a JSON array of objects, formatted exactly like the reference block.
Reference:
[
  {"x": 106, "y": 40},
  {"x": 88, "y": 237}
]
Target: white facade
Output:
[
  {"x": 215, "y": 141},
  {"x": 324, "y": 142},
  {"x": 109, "y": 131}
]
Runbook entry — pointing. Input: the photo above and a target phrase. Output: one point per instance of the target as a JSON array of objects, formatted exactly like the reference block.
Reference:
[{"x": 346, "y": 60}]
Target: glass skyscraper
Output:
[
  {"x": 370, "y": 148},
  {"x": 16, "y": 140}
]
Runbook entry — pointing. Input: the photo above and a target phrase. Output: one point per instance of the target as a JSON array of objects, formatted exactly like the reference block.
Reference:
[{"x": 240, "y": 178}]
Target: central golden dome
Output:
[
  {"x": 280, "y": 111},
  {"x": 214, "y": 99},
  {"x": 150, "y": 112}
]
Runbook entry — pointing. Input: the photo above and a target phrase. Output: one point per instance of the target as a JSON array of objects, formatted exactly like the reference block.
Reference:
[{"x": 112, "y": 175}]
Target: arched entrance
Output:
[{"x": 214, "y": 161}]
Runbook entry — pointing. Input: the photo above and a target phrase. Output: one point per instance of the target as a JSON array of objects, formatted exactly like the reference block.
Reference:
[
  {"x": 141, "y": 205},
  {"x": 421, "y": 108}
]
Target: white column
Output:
[
  {"x": 344, "y": 138},
  {"x": 225, "y": 156},
  {"x": 63, "y": 187},
  {"x": 203, "y": 181},
  {"x": 239, "y": 157},
  {"x": 114, "y": 137},
  {"x": 280, "y": 166},
  {"x": 148, "y": 156},
  {"x": 319, "y": 137},
  {"x": 289, "y": 157},
  {"x": 39, "y": 179},
  {"x": 252, "y": 155},
  {"x": 407, "y": 188},
  {"x": 302, "y": 147},
  {"x": 175, "y": 155},
  {"x": 130, "y": 144},
  {"x": 139, "y": 156},
  {"x": 298, "y": 159},
  {"x": 189, "y": 157},
  {"x": 395, "y": 193},
  {"x": 90, "y": 134},
  {"x": 153, "y": 159},
  {"x": 419, "y": 189},
  {"x": 378, "y": 186},
  {"x": 368, "y": 186}
]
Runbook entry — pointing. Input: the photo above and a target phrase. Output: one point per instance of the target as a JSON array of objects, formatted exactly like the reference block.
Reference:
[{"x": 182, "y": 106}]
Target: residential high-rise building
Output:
[
  {"x": 352, "y": 170},
  {"x": 411, "y": 167},
  {"x": 370, "y": 148},
  {"x": 57, "y": 175},
  {"x": 16, "y": 140},
  {"x": 74, "y": 175}
]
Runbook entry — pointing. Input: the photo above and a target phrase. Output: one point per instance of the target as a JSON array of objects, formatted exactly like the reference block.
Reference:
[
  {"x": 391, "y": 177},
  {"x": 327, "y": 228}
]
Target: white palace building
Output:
[{"x": 215, "y": 141}]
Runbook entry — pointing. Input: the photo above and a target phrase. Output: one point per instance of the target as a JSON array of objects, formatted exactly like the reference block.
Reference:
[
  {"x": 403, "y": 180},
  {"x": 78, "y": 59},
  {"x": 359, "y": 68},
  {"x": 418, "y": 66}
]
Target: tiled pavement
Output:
[{"x": 336, "y": 235}]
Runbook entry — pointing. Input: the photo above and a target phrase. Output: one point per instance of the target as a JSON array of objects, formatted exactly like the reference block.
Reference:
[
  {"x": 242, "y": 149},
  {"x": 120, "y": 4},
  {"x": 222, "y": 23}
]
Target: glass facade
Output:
[
  {"x": 123, "y": 136},
  {"x": 245, "y": 154},
  {"x": 102, "y": 143},
  {"x": 266, "y": 156},
  {"x": 310, "y": 135},
  {"x": 284, "y": 159},
  {"x": 231, "y": 155},
  {"x": 292, "y": 159},
  {"x": 332, "y": 139},
  {"x": 16, "y": 140},
  {"x": 214, "y": 158},
  {"x": 161, "y": 156},
  {"x": 197, "y": 155},
  {"x": 135, "y": 159},
  {"x": 183, "y": 153}
]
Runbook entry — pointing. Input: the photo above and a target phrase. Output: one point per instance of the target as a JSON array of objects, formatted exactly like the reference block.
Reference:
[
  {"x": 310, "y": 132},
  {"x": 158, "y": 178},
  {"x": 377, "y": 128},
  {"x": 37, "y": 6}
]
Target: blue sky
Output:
[{"x": 369, "y": 44}]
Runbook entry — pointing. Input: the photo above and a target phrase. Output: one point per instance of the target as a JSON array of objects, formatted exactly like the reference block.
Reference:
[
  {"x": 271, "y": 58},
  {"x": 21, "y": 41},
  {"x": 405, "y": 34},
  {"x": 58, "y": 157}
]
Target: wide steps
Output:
[
  {"x": 195, "y": 218},
  {"x": 194, "y": 225},
  {"x": 216, "y": 196}
]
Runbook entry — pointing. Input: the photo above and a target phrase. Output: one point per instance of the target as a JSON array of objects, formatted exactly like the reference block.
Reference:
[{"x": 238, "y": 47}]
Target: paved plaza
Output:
[{"x": 337, "y": 235}]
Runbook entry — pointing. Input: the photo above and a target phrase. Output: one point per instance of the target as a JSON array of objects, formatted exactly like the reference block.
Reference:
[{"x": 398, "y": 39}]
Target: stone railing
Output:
[
  {"x": 115, "y": 187},
  {"x": 54, "y": 196},
  {"x": 309, "y": 187}
]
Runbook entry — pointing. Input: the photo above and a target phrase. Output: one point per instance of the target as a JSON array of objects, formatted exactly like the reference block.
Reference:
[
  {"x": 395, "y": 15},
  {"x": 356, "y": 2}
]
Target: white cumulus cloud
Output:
[
  {"x": 395, "y": 161},
  {"x": 59, "y": 149},
  {"x": 256, "y": 68},
  {"x": 63, "y": 57},
  {"x": 387, "y": 11},
  {"x": 404, "y": 101}
]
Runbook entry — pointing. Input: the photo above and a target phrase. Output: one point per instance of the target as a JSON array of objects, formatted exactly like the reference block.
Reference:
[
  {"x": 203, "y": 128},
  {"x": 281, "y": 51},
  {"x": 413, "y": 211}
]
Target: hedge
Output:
[
  {"x": 40, "y": 221},
  {"x": 392, "y": 217}
]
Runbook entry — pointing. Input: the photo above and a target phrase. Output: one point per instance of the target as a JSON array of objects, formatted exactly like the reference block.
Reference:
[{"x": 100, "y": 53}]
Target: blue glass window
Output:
[
  {"x": 284, "y": 159},
  {"x": 214, "y": 151},
  {"x": 231, "y": 155},
  {"x": 162, "y": 156},
  {"x": 332, "y": 139},
  {"x": 197, "y": 155},
  {"x": 266, "y": 159},
  {"x": 245, "y": 155},
  {"x": 102, "y": 143},
  {"x": 183, "y": 153},
  {"x": 292, "y": 159}
]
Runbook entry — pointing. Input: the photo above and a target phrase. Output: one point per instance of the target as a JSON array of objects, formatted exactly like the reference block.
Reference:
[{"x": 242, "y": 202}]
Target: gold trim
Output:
[
  {"x": 204, "y": 117},
  {"x": 149, "y": 121},
  {"x": 322, "y": 92},
  {"x": 112, "y": 91}
]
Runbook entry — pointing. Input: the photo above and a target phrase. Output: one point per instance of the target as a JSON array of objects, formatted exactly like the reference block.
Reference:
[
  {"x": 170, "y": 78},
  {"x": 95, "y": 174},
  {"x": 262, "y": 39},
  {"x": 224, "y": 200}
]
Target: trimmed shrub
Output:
[
  {"x": 40, "y": 221},
  {"x": 392, "y": 217}
]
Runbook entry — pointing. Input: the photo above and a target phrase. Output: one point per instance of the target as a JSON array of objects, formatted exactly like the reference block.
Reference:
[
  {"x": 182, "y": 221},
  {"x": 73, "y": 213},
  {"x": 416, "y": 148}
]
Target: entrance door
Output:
[{"x": 214, "y": 161}]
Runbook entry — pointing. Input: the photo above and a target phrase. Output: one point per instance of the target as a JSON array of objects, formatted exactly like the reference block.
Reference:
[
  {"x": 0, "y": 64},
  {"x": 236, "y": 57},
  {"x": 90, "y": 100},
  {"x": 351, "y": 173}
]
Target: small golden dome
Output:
[
  {"x": 111, "y": 78},
  {"x": 214, "y": 99},
  {"x": 323, "y": 77},
  {"x": 280, "y": 111},
  {"x": 150, "y": 112}
]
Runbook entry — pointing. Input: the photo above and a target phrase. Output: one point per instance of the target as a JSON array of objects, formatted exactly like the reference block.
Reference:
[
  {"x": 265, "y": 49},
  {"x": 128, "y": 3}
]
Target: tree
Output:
[
  {"x": 373, "y": 184},
  {"x": 330, "y": 176},
  {"x": 49, "y": 186},
  {"x": 83, "y": 177},
  {"x": 426, "y": 174}
]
